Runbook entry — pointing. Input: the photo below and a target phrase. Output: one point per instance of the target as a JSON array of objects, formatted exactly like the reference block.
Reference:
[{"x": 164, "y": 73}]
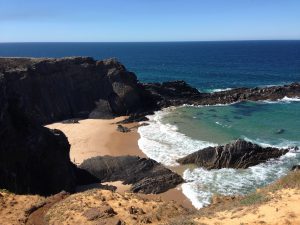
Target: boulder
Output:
[
  {"x": 122, "y": 129},
  {"x": 145, "y": 175},
  {"x": 239, "y": 154}
]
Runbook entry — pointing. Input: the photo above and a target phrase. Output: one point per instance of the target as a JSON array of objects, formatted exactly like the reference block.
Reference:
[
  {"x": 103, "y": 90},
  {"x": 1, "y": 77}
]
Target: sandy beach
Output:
[{"x": 99, "y": 137}]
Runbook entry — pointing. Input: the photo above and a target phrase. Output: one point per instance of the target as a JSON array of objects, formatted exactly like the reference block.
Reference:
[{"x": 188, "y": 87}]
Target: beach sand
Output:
[{"x": 99, "y": 137}]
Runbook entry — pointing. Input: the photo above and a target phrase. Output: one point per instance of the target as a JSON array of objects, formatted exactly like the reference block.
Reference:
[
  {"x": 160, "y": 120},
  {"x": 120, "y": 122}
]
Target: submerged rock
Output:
[
  {"x": 145, "y": 175},
  {"x": 239, "y": 154},
  {"x": 280, "y": 131}
]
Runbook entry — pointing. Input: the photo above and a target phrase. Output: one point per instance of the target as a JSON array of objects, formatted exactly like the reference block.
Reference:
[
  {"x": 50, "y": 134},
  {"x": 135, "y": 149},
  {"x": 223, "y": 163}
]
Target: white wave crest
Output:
[
  {"x": 283, "y": 100},
  {"x": 220, "y": 90},
  {"x": 163, "y": 142}
]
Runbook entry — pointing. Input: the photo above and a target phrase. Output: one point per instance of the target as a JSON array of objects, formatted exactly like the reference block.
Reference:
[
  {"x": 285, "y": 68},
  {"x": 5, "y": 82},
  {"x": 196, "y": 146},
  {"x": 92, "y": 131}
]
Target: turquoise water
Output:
[
  {"x": 272, "y": 123},
  {"x": 177, "y": 132}
]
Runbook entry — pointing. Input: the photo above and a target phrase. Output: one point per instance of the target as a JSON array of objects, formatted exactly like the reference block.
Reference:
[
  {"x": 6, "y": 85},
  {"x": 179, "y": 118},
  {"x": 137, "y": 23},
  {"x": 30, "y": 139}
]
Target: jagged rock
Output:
[
  {"x": 136, "y": 117},
  {"x": 123, "y": 129},
  {"x": 178, "y": 93},
  {"x": 145, "y": 175},
  {"x": 239, "y": 154},
  {"x": 70, "y": 121}
]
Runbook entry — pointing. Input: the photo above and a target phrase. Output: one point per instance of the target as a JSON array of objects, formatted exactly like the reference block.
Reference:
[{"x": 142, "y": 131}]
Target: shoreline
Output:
[{"x": 99, "y": 137}]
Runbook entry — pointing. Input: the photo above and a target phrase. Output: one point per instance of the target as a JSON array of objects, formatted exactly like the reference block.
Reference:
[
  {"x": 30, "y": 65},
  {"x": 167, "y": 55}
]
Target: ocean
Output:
[{"x": 208, "y": 66}]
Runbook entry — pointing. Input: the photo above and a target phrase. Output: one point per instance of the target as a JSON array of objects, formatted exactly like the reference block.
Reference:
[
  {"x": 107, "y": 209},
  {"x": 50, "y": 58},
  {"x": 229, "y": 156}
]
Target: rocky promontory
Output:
[{"x": 239, "y": 154}]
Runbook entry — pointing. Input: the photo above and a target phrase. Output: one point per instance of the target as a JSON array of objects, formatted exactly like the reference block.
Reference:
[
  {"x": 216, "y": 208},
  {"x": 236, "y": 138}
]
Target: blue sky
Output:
[{"x": 148, "y": 20}]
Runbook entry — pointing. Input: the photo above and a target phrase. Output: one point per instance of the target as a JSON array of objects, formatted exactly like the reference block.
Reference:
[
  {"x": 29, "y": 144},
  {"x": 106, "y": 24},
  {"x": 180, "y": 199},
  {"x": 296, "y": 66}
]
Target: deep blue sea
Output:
[
  {"x": 208, "y": 66},
  {"x": 205, "y": 65}
]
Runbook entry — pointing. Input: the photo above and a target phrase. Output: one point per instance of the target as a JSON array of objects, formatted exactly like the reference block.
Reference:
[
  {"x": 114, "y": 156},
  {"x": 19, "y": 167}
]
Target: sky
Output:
[{"x": 148, "y": 20}]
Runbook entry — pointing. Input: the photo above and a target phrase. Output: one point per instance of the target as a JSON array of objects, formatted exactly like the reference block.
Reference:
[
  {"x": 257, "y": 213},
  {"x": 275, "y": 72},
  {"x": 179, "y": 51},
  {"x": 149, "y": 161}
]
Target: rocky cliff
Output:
[
  {"x": 33, "y": 159},
  {"x": 58, "y": 89}
]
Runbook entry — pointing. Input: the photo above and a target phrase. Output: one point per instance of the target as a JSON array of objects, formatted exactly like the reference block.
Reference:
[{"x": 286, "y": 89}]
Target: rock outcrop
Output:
[
  {"x": 33, "y": 159},
  {"x": 78, "y": 87},
  {"x": 145, "y": 175},
  {"x": 239, "y": 154}
]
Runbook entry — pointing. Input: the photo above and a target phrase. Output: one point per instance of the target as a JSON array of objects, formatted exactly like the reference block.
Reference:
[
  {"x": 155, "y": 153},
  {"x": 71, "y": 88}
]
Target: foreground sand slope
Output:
[
  {"x": 276, "y": 204},
  {"x": 90, "y": 207}
]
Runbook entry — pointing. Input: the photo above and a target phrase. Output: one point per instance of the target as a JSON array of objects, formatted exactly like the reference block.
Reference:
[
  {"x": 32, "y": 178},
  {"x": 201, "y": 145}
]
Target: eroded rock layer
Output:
[{"x": 145, "y": 175}]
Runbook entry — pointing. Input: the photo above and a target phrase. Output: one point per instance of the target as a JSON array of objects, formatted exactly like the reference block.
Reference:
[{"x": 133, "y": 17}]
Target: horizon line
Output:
[{"x": 251, "y": 40}]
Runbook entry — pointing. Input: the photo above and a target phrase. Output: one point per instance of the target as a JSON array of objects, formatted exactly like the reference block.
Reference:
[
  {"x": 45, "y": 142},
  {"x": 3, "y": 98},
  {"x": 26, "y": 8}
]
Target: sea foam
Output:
[
  {"x": 283, "y": 100},
  {"x": 163, "y": 143},
  {"x": 201, "y": 184}
]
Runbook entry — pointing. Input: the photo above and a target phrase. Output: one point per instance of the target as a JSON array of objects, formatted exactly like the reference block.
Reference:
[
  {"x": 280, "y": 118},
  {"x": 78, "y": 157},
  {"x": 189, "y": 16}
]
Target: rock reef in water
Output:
[
  {"x": 178, "y": 93},
  {"x": 239, "y": 154},
  {"x": 145, "y": 175}
]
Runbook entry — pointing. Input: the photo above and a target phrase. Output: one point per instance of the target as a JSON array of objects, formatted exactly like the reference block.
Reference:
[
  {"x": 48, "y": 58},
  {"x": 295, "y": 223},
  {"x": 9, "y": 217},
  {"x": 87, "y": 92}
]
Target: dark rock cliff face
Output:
[
  {"x": 145, "y": 175},
  {"x": 240, "y": 154},
  {"x": 33, "y": 159},
  {"x": 57, "y": 89}
]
